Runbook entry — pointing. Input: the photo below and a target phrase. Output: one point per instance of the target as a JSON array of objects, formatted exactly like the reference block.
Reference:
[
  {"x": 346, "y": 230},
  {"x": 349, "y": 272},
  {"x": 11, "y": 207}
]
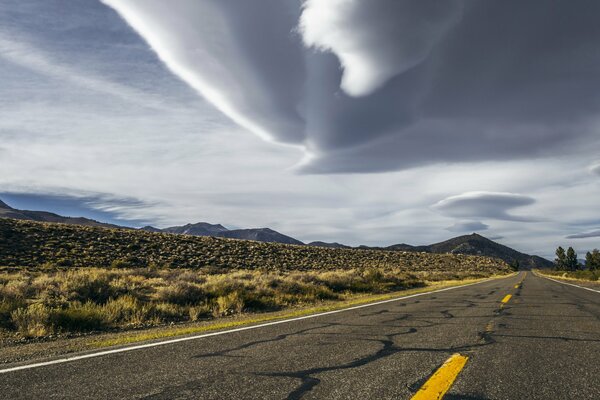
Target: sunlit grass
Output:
[{"x": 269, "y": 317}]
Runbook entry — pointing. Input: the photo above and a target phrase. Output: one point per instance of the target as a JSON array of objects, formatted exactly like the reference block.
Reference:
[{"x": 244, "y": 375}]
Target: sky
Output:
[{"x": 363, "y": 122}]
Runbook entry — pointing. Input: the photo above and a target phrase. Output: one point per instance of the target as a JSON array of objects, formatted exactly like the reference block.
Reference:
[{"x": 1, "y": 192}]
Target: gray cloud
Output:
[
  {"x": 484, "y": 205},
  {"x": 595, "y": 169},
  {"x": 468, "y": 226},
  {"x": 585, "y": 235},
  {"x": 421, "y": 92}
]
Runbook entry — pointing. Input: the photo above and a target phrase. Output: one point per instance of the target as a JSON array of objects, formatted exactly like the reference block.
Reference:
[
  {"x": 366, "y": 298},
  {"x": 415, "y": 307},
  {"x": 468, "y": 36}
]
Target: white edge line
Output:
[
  {"x": 243, "y": 328},
  {"x": 564, "y": 283}
]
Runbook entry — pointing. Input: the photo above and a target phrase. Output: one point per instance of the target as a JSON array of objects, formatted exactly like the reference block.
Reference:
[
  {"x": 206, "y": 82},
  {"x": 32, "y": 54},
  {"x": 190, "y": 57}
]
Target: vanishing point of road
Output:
[{"x": 520, "y": 337}]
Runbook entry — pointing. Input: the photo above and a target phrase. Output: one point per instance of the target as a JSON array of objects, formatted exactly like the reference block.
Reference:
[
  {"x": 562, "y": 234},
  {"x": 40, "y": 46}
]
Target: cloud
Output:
[
  {"x": 30, "y": 57},
  {"x": 584, "y": 235},
  {"x": 595, "y": 168},
  {"x": 468, "y": 226},
  {"x": 492, "y": 108},
  {"x": 492, "y": 205},
  {"x": 238, "y": 56},
  {"x": 415, "y": 87},
  {"x": 373, "y": 47}
]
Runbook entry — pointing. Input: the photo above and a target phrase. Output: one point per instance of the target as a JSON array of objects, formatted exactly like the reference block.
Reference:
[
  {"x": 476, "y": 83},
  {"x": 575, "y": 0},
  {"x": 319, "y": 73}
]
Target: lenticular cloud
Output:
[{"x": 374, "y": 85}]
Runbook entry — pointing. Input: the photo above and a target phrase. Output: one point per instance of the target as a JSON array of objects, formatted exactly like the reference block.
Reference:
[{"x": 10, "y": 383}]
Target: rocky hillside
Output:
[{"x": 28, "y": 243}]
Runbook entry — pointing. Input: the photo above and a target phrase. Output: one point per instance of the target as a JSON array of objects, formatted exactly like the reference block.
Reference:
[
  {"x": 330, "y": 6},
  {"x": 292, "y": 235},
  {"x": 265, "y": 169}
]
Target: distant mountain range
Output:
[
  {"x": 473, "y": 244},
  {"x": 218, "y": 230},
  {"x": 42, "y": 216}
]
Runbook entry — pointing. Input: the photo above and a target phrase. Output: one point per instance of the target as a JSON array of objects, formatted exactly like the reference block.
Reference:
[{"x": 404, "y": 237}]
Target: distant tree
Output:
[
  {"x": 514, "y": 264},
  {"x": 572, "y": 264},
  {"x": 592, "y": 260},
  {"x": 560, "y": 260}
]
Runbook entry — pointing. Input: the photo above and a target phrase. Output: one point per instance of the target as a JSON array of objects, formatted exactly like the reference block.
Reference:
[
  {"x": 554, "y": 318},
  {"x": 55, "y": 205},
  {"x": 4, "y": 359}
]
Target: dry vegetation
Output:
[
  {"x": 59, "y": 279},
  {"x": 585, "y": 275}
]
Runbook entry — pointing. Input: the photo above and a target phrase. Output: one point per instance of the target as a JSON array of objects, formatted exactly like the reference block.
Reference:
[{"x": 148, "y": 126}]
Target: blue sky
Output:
[{"x": 359, "y": 122}]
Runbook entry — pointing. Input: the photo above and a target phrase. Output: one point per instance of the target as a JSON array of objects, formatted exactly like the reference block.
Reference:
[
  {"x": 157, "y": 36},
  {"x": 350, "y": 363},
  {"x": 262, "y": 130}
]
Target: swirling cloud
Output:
[{"x": 378, "y": 85}]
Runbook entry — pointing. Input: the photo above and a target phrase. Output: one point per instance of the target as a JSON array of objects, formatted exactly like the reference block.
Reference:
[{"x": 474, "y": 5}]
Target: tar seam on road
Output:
[
  {"x": 441, "y": 381},
  {"x": 570, "y": 284},
  {"x": 245, "y": 328}
]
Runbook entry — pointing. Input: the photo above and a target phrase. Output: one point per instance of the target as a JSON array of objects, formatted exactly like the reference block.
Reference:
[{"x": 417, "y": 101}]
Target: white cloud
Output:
[{"x": 376, "y": 40}]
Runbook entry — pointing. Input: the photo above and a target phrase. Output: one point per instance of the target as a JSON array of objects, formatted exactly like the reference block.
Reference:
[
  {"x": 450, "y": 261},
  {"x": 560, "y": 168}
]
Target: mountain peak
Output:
[{"x": 4, "y": 205}]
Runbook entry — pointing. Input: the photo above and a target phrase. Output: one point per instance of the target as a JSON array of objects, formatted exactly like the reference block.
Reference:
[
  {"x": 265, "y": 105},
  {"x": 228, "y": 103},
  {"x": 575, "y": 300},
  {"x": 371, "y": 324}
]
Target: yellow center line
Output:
[
  {"x": 516, "y": 286},
  {"x": 506, "y": 298},
  {"x": 441, "y": 381}
]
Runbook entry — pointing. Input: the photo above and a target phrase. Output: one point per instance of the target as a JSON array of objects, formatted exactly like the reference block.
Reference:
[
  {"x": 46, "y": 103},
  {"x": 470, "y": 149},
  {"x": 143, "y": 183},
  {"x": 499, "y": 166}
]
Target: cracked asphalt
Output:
[{"x": 544, "y": 343}]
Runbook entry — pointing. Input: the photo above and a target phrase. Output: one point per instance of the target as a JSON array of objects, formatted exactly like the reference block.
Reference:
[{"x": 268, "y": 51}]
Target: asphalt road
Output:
[{"x": 542, "y": 343}]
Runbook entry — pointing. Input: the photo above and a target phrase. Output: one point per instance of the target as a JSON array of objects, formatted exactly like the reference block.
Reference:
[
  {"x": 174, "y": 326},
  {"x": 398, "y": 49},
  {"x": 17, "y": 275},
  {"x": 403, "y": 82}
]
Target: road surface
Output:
[{"x": 522, "y": 337}]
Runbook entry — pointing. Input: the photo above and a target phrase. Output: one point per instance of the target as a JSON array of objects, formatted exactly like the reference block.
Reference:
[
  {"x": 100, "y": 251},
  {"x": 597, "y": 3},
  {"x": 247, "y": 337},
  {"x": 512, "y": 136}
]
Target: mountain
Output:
[
  {"x": 475, "y": 244},
  {"x": 334, "y": 245},
  {"x": 406, "y": 247},
  {"x": 260, "y": 234},
  {"x": 42, "y": 216},
  {"x": 217, "y": 230},
  {"x": 199, "y": 229},
  {"x": 149, "y": 228}
]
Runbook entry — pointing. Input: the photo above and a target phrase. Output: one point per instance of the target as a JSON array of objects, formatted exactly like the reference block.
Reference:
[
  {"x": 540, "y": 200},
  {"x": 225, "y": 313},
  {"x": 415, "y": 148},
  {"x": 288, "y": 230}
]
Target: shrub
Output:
[
  {"x": 181, "y": 293},
  {"x": 33, "y": 321},
  {"x": 6, "y": 309},
  {"x": 86, "y": 286},
  {"x": 79, "y": 318},
  {"x": 233, "y": 303},
  {"x": 120, "y": 263},
  {"x": 199, "y": 312},
  {"x": 126, "y": 310}
]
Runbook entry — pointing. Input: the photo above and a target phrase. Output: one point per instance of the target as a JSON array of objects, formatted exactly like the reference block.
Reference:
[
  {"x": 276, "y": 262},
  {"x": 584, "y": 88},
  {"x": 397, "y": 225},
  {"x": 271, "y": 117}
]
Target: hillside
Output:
[
  {"x": 28, "y": 243},
  {"x": 468, "y": 244},
  {"x": 475, "y": 244},
  {"x": 42, "y": 216}
]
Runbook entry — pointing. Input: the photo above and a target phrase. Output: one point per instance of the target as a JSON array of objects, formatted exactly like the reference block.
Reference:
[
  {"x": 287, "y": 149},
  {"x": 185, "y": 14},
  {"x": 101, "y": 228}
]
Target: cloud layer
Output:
[
  {"x": 584, "y": 235},
  {"x": 389, "y": 84},
  {"x": 490, "y": 205},
  {"x": 495, "y": 102},
  {"x": 468, "y": 226}
]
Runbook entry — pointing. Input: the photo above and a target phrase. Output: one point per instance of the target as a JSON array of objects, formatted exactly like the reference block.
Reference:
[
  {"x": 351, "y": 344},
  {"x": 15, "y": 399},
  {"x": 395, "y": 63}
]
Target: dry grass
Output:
[
  {"x": 43, "y": 302},
  {"x": 584, "y": 276}
]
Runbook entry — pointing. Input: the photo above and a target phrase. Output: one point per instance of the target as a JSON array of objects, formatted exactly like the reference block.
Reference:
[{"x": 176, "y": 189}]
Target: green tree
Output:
[
  {"x": 571, "y": 260},
  {"x": 560, "y": 260},
  {"x": 592, "y": 260},
  {"x": 514, "y": 264}
]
